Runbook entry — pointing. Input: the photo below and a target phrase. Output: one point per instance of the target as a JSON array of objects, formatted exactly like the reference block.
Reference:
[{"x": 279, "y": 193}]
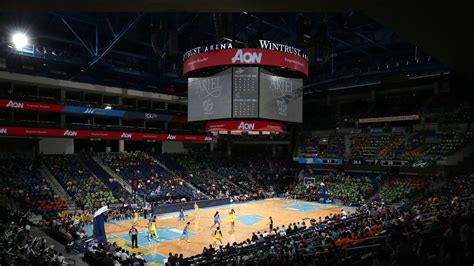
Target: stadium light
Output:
[{"x": 19, "y": 40}]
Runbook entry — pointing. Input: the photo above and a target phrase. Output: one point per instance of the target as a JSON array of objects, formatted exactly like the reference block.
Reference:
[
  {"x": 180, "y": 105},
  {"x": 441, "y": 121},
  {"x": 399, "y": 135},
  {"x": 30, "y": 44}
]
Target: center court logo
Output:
[{"x": 247, "y": 57}]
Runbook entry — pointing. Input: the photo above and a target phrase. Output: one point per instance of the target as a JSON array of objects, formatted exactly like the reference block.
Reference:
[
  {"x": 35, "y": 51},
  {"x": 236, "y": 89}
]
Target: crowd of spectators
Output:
[
  {"x": 191, "y": 168},
  {"x": 254, "y": 173},
  {"x": 19, "y": 247},
  {"x": 450, "y": 143},
  {"x": 68, "y": 228},
  {"x": 323, "y": 147},
  {"x": 368, "y": 145},
  {"x": 350, "y": 189},
  {"x": 148, "y": 178},
  {"x": 388, "y": 145},
  {"x": 106, "y": 254},
  {"x": 21, "y": 180},
  {"x": 430, "y": 231},
  {"x": 78, "y": 181},
  {"x": 402, "y": 187}
]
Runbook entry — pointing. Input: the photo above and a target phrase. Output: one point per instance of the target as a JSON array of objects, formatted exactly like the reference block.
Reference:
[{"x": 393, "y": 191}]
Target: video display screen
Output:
[
  {"x": 210, "y": 97},
  {"x": 280, "y": 98}
]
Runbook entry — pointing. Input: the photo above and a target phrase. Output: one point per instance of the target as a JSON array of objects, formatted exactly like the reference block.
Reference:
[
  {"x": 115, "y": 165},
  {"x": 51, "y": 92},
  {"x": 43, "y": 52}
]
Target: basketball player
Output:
[
  {"x": 218, "y": 235},
  {"x": 150, "y": 221},
  {"x": 185, "y": 234},
  {"x": 217, "y": 220},
  {"x": 232, "y": 218},
  {"x": 153, "y": 229},
  {"x": 135, "y": 217},
  {"x": 181, "y": 215},
  {"x": 196, "y": 210}
]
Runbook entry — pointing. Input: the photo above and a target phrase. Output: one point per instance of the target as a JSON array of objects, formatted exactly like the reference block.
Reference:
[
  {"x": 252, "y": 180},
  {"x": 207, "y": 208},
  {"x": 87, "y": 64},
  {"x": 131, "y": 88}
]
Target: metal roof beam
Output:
[
  {"x": 111, "y": 28},
  {"x": 119, "y": 36},
  {"x": 78, "y": 37},
  {"x": 371, "y": 41}
]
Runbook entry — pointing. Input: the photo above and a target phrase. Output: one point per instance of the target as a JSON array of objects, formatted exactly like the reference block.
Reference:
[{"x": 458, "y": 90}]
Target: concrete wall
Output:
[{"x": 56, "y": 146}]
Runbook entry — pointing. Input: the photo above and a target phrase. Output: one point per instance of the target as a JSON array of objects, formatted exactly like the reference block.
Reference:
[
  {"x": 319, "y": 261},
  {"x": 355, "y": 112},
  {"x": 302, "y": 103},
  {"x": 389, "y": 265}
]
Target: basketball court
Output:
[{"x": 251, "y": 217}]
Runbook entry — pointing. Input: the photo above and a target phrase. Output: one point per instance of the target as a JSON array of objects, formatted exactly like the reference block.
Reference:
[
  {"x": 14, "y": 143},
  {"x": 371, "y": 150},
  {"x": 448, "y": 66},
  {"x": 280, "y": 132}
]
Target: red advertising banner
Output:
[
  {"x": 31, "y": 106},
  {"x": 245, "y": 125},
  {"x": 245, "y": 56},
  {"x": 53, "y": 132}
]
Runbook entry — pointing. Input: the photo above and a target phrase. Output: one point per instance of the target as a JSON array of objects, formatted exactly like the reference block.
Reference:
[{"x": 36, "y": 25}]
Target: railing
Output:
[{"x": 109, "y": 171}]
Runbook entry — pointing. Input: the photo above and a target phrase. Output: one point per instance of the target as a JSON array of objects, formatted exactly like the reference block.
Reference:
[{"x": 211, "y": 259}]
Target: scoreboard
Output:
[{"x": 245, "y": 92}]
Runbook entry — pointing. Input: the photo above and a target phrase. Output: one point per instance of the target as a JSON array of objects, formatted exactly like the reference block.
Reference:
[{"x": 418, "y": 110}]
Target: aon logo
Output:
[
  {"x": 70, "y": 133},
  {"x": 126, "y": 135},
  {"x": 248, "y": 58},
  {"x": 13, "y": 104},
  {"x": 171, "y": 137},
  {"x": 246, "y": 126}
]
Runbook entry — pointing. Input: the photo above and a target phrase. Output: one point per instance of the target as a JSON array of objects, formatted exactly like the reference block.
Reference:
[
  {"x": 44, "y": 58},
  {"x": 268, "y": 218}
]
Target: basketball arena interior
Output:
[{"x": 235, "y": 133}]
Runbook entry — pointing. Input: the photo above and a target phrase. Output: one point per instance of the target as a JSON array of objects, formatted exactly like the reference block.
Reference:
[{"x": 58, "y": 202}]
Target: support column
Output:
[
  {"x": 107, "y": 146},
  {"x": 436, "y": 88},
  {"x": 121, "y": 145},
  {"x": 62, "y": 120},
  {"x": 372, "y": 95},
  {"x": 211, "y": 146},
  {"x": 229, "y": 149},
  {"x": 62, "y": 96}
]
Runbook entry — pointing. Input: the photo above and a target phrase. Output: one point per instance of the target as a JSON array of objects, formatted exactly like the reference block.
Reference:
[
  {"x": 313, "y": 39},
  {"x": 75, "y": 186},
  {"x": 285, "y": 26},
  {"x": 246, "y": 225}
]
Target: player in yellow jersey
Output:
[
  {"x": 232, "y": 218},
  {"x": 135, "y": 217},
  {"x": 196, "y": 210},
  {"x": 218, "y": 235},
  {"x": 153, "y": 229}
]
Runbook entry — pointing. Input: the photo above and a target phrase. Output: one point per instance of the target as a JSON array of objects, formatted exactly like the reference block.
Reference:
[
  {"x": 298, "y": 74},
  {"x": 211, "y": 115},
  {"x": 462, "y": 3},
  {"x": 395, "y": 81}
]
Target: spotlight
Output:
[
  {"x": 108, "y": 107},
  {"x": 19, "y": 40}
]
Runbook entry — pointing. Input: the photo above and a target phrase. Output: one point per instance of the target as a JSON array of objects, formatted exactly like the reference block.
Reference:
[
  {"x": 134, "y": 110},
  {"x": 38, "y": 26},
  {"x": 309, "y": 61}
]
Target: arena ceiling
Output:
[{"x": 143, "y": 45}]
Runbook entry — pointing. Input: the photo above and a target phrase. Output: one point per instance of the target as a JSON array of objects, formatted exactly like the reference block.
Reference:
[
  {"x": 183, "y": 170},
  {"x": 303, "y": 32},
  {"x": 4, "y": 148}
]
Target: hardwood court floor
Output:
[{"x": 251, "y": 217}]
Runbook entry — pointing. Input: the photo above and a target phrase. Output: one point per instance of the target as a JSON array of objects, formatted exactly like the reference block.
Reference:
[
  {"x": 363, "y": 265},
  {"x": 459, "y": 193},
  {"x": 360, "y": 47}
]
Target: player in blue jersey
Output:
[
  {"x": 185, "y": 234},
  {"x": 217, "y": 220}
]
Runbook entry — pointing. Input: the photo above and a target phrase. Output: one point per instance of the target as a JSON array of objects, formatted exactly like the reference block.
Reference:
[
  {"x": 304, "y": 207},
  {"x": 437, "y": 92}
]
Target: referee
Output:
[{"x": 134, "y": 234}]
